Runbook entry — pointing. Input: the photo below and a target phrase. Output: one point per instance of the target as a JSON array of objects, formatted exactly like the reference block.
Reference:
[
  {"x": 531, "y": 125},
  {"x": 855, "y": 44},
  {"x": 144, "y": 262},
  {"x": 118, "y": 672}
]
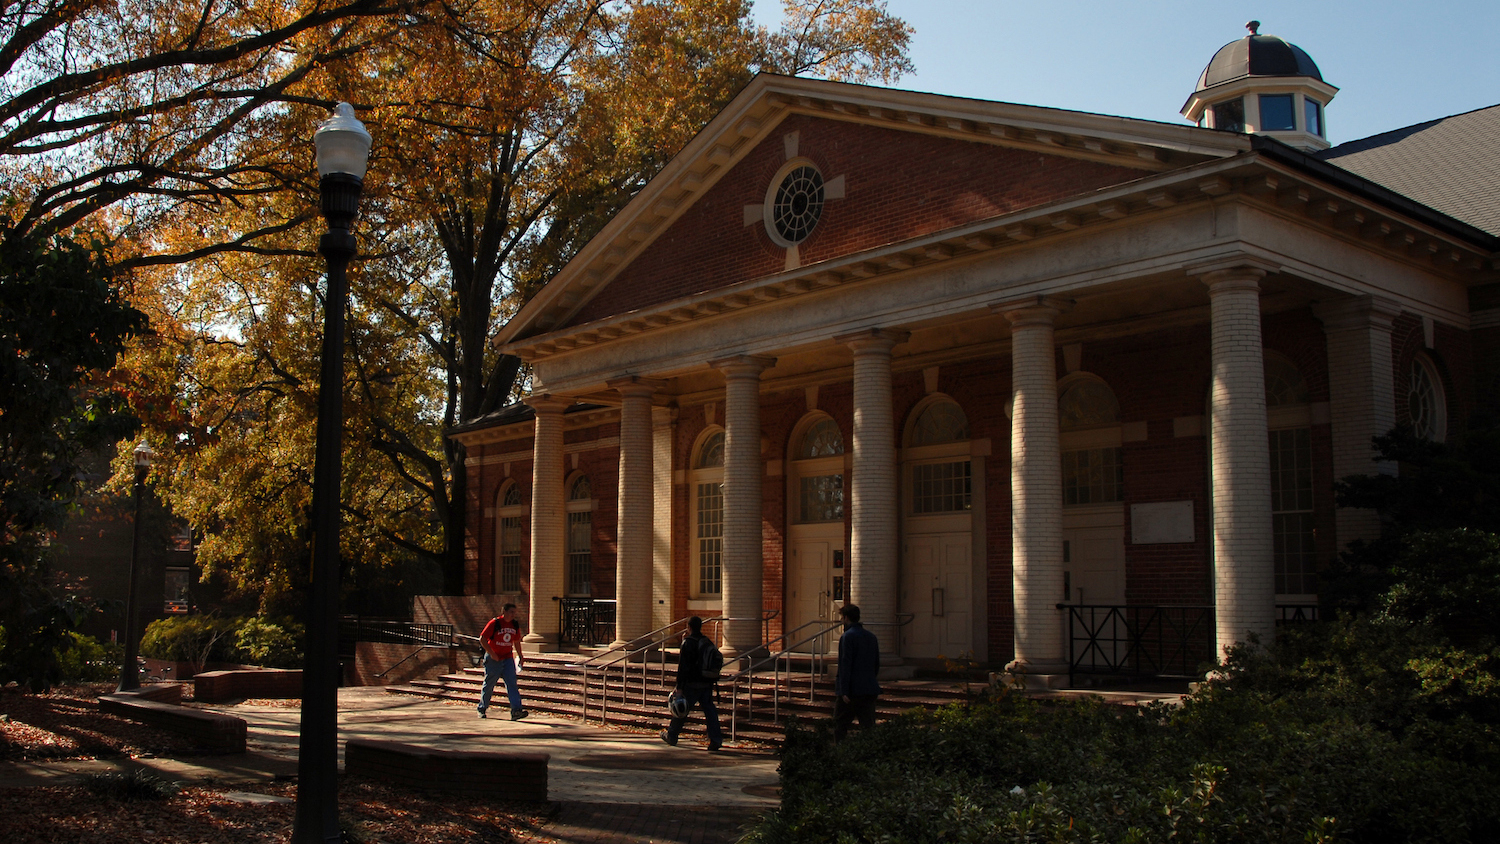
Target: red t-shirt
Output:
[{"x": 499, "y": 636}]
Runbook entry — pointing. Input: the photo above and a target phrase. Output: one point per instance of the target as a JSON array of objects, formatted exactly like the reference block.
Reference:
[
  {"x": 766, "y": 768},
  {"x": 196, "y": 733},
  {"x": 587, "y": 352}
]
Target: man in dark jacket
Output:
[
  {"x": 693, "y": 687},
  {"x": 855, "y": 688}
]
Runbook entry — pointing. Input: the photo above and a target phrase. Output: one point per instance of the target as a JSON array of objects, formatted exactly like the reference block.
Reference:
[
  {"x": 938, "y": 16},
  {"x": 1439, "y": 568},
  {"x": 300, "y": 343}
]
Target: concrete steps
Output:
[{"x": 553, "y": 683}]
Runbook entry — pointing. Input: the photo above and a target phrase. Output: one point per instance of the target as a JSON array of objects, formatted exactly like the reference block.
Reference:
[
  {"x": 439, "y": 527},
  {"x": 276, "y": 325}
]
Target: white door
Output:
[
  {"x": 1094, "y": 562},
  {"x": 815, "y": 578},
  {"x": 936, "y": 589}
]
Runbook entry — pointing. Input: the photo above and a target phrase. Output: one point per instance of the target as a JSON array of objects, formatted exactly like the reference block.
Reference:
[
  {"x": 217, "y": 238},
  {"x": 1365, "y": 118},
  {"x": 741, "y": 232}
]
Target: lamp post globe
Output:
[
  {"x": 343, "y": 149},
  {"x": 130, "y": 675}
]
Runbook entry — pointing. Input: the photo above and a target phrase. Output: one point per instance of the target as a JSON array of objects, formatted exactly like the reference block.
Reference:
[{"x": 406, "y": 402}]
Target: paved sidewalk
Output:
[{"x": 612, "y": 787}]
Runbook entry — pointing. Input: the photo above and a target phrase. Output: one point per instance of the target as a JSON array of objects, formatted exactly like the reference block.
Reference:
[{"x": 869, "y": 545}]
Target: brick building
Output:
[{"x": 962, "y": 362}]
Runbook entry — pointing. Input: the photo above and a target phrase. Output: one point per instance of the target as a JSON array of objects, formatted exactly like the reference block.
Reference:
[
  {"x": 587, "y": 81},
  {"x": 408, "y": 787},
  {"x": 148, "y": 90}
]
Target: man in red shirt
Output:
[{"x": 501, "y": 640}]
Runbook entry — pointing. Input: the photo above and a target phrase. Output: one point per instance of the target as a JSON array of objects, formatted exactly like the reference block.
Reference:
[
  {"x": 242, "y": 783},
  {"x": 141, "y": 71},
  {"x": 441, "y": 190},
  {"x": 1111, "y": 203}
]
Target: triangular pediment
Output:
[{"x": 894, "y": 166}]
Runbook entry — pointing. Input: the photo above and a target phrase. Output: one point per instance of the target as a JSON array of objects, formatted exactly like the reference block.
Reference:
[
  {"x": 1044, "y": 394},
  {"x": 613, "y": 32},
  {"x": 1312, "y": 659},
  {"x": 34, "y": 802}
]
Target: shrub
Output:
[
  {"x": 269, "y": 643},
  {"x": 89, "y": 660},
  {"x": 131, "y": 785},
  {"x": 196, "y": 639}
]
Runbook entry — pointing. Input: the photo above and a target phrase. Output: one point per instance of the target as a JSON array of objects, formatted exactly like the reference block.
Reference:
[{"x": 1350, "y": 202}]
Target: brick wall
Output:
[
  {"x": 899, "y": 185},
  {"x": 376, "y": 663}
]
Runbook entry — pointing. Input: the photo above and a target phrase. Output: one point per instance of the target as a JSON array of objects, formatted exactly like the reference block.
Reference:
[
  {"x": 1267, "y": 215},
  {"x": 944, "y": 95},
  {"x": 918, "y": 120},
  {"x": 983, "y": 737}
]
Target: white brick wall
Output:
[
  {"x": 1036, "y": 492},
  {"x": 547, "y": 519},
  {"x": 1362, "y": 400},
  {"x": 742, "y": 502},
  {"x": 874, "y": 487},
  {"x": 1244, "y": 575},
  {"x": 636, "y": 513}
]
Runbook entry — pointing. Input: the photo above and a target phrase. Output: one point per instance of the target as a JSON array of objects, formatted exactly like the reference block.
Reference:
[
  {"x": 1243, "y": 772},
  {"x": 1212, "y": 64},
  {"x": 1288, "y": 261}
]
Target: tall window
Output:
[
  {"x": 1292, "y": 526},
  {"x": 1093, "y": 464},
  {"x": 1426, "y": 407},
  {"x": 512, "y": 539},
  {"x": 708, "y": 516},
  {"x": 820, "y": 476},
  {"x": 940, "y": 485},
  {"x": 580, "y": 537}
]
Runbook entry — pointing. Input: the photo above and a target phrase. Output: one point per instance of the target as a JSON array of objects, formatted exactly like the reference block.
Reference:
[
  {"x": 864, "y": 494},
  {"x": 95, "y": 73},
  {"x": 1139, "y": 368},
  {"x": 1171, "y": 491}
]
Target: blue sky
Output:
[{"x": 1395, "y": 63}]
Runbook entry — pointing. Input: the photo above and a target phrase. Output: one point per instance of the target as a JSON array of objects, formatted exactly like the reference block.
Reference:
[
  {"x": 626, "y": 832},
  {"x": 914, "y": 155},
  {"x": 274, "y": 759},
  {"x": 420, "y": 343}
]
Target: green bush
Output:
[
  {"x": 1330, "y": 737},
  {"x": 269, "y": 643},
  {"x": 89, "y": 660},
  {"x": 201, "y": 639},
  {"x": 131, "y": 785}
]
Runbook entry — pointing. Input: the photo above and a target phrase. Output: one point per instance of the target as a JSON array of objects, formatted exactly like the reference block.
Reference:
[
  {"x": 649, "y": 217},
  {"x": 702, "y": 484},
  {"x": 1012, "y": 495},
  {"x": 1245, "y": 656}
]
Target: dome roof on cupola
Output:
[{"x": 1257, "y": 55}]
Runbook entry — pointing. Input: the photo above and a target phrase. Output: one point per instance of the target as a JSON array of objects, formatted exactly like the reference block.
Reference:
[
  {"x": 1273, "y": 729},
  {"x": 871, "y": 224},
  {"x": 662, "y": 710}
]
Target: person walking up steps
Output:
[
  {"x": 698, "y": 665},
  {"x": 855, "y": 688},
  {"x": 501, "y": 641}
]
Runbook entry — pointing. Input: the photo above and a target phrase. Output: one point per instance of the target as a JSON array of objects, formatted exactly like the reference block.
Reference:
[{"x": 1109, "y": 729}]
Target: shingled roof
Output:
[{"x": 1451, "y": 165}]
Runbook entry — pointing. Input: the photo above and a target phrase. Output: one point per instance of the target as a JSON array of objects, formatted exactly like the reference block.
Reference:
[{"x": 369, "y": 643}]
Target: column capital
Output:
[
  {"x": 873, "y": 339},
  {"x": 743, "y": 366},
  {"x": 1359, "y": 312},
  {"x": 1234, "y": 263},
  {"x": 634, "y": 385},
  {"x": 1236, "y": 278},
  {"x": 548, "y": 403},
  {"x": 1032, "y": 310}
]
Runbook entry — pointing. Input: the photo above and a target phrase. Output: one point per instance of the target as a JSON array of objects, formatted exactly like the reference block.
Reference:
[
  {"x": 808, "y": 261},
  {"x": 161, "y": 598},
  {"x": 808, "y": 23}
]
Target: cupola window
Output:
[
  {"x": 1276, "y": 114},
  {"x": 1230, "y": 115},
  {"x": 1314, "y": 113}
]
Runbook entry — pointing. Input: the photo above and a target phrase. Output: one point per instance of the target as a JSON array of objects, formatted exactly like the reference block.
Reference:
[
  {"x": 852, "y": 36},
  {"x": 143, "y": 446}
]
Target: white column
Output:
[
  {"x": 1362, "y": 397},
  {"x": 635, "y": 511},
  {"x": 1035, "y": 491},
  {"x": 1244, "y": 575},
  {"x": 874, "y": 489},
  {"x": 548, "y": 521},
  {"x": 743, "y": 562}
]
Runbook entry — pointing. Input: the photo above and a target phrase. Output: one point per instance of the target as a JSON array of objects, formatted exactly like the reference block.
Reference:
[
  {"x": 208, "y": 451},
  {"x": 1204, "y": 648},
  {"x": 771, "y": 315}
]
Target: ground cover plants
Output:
[{"x": 1360, "y": 730}]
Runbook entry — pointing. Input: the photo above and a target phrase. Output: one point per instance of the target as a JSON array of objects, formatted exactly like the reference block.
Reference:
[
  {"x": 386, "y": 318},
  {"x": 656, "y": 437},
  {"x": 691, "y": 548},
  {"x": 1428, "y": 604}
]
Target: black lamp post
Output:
[
  {"x": 343, "y": 151},
  {"x": 130, "y": 674}
]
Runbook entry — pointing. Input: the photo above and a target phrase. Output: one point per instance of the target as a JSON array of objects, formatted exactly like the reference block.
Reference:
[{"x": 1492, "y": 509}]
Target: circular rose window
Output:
[{"x": 797, "y": 204}]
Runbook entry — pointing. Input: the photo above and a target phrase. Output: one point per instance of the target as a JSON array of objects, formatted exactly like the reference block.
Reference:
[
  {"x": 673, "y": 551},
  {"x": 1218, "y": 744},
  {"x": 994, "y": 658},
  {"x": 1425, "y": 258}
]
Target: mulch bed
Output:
[
  {"x": 67, "y": 724},
  {"x": 371, "y": 814}
]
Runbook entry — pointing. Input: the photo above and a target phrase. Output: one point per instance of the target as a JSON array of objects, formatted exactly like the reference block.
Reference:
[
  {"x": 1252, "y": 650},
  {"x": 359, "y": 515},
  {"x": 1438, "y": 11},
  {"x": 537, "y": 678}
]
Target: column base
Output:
[
  {"x": 542, "y": 643},
  {"x": 1034, "y": 674}
]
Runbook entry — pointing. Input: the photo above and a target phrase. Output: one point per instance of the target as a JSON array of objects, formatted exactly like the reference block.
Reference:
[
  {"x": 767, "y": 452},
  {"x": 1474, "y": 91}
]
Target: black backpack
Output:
[{"x": 710, "y": 660}]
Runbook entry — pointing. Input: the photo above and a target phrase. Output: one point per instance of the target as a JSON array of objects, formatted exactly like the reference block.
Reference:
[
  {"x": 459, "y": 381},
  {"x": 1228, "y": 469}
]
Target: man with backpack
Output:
[
  {"x": 501, "y": 640},
  {"x": 698, "y": 665}
]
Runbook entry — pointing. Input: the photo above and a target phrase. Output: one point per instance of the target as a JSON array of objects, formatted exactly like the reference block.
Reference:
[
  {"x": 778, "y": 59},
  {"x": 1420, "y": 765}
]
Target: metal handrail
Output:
[
  {"x": 626, "y": 654},
  {"x": 816, "y": 661}
]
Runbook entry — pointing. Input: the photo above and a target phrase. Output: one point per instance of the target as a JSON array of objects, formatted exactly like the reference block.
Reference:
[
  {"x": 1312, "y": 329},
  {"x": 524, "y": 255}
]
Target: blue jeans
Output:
[
  {"x": 497, "y": 669},
  {"x": 703, "y": 697}
]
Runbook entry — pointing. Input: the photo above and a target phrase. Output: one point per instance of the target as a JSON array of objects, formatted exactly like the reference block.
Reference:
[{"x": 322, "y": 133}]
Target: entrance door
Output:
[
  {"x": 937, "y": 590},
  {"x": 815, "y": 579},
  {"x": 1094, "y": 560}
]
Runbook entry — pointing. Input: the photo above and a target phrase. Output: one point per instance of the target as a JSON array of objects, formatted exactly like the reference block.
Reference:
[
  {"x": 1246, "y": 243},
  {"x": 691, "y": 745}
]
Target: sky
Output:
[{"x": 1395, "y": 63}]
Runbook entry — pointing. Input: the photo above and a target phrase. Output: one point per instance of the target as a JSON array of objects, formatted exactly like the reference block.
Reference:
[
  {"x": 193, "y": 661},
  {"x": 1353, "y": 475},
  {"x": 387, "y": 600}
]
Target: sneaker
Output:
[
  {"x": 482, "y": 714},
  {"x": 518, "y": 714},
  {"x": 667, "y": 738}
]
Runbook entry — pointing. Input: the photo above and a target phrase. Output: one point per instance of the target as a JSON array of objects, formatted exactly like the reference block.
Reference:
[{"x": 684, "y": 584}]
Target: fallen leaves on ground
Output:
[
  {"x": 370, "y": 813},
  {"x": 66, "y": 724}
]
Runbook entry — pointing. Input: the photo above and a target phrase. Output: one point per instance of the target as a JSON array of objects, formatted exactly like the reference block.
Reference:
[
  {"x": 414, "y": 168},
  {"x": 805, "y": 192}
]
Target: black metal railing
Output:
[
  {"x": 1153, "y": 641},
  {"x": 586, "y": 621},
  {"x": 394, "y": 631},
  {"x": 1296, "y": 613}
]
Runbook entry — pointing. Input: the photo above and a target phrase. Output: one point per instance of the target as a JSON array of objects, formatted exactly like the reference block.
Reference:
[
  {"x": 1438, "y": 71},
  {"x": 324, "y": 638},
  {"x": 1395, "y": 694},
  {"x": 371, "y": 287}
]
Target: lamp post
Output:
[
  {"x": 130, "y": 675},
  {"x": 343, "y": 150}
]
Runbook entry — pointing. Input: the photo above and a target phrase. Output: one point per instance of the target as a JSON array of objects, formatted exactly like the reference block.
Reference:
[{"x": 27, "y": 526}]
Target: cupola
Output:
[{"x": 1263, "y": 85}]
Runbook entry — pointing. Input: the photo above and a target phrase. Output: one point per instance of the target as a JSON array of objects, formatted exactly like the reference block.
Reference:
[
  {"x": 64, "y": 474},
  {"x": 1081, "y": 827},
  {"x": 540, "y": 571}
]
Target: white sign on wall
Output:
[{"x": 1161, "y": 522}]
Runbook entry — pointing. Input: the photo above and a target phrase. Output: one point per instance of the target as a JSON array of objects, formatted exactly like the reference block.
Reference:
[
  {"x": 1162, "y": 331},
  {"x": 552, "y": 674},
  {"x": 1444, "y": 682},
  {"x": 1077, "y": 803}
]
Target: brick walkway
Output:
[{"x": 635, "y": 823}]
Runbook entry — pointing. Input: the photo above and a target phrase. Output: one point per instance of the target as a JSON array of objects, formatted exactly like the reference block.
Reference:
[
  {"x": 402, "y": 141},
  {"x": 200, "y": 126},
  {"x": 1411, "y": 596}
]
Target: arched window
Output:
[
  {"x": 819, "y": 468},
  {"x": 1426, "y": 406},
  {"x": 512, "y": 528},
  {"x": 1093, "y": 463},
  {"x": 1293, "y": 538},
  {"x": 580, "y": 537},
  {"x": 708, "y": 516},
  {"x": 939, "y": 483}
]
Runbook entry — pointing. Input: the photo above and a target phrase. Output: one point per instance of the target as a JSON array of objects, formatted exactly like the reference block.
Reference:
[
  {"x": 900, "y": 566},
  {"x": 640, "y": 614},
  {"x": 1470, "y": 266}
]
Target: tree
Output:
[
  {"x": 115, "y": 114},
  {"x": 62, "y": 325}
]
